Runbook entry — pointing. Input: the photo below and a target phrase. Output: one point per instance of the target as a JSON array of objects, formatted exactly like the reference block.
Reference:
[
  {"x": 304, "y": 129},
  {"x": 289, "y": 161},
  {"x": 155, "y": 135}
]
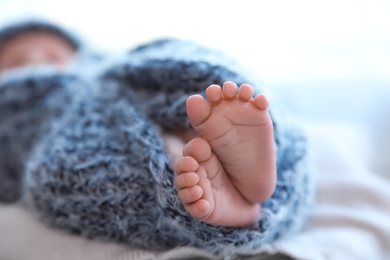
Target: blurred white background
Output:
[{"x": 327, "y": 60}]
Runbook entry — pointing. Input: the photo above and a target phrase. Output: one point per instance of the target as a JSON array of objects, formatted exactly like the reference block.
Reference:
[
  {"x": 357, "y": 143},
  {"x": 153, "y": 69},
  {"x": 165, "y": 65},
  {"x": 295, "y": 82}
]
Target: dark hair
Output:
[{"x": 11, "y": 32}]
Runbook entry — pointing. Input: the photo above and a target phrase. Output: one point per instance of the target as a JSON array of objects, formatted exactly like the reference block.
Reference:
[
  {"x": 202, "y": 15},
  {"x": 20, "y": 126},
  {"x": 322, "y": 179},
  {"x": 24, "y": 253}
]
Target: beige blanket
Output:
[{"x": 351, "y": 219}]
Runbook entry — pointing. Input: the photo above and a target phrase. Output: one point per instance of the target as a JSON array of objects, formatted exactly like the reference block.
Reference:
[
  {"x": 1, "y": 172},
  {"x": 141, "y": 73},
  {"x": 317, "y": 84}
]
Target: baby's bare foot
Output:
[
  {"x": 239, "y": 131},
  {"x": 206, "y": 190}
]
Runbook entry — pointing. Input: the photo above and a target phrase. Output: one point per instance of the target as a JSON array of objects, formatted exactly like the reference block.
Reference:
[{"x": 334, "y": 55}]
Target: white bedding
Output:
[{"x": 351, "y": 219}]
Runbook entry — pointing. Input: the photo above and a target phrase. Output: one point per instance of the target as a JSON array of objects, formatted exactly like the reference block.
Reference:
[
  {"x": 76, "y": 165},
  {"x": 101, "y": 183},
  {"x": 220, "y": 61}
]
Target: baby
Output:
[
  {"x": 27, "y": 47},
  {"x": 225, "y": 177},
  {"x": 231, "y": 168},
  {"x": 227, "y": 171},
  {"x": 35, "y": 47}
]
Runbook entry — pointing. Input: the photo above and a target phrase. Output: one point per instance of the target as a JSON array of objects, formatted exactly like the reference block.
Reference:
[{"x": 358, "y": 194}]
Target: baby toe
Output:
[
  {"x": 200, "y": 209},
  {"x": 214, "y": 94},
  {"x": 191, "y": 194},
  {"x": 245, "y": 92},
  {"x": 261, "y": 101},
  {"x": 198, "y": 110},
  {"x": 198, "y": 148},
  {"x": 186, "y": 180},
  {"x": 186, "y": 164},
  {"x": 229, "y": 90}
]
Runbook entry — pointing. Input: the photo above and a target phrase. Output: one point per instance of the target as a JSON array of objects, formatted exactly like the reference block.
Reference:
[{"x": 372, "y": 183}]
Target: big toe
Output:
[
  {"x": 198, "y": 110},
  {"x": 199, "y": 209},
  {"x": 198, "y": 148}
]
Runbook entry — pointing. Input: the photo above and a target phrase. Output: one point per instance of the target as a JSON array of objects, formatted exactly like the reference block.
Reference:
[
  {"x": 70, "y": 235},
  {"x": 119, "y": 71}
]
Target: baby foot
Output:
[
  {"x": 239, "y": 132},
  {"x": 206, "y": 190}
]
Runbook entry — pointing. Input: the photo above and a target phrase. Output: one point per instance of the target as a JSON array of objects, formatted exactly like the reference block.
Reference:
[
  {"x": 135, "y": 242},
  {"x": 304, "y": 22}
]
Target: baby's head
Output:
[{"x": 36, "y": 43}]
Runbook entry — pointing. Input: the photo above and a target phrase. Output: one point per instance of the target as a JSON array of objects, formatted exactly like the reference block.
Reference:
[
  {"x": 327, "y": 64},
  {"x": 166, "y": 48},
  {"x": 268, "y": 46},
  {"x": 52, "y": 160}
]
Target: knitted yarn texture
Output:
[{"x": 92, "y": 161}]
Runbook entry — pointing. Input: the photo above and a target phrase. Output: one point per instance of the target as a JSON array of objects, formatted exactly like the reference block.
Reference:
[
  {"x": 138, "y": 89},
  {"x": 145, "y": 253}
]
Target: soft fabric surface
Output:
[
  {"x": 92, "y": 162},
  {"x": 350, "y": 219}
]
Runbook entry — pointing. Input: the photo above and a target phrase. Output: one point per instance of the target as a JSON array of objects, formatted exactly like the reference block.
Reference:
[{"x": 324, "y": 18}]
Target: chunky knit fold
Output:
[{"x": 96, "y": 166}]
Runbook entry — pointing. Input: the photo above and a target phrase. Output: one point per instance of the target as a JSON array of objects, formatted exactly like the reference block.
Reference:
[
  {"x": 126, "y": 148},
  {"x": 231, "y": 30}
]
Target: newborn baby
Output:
[
  {"x": 35, "y": 47},
  {"x": 27, "y": 48},
  {"x": 228, "y": 171}
]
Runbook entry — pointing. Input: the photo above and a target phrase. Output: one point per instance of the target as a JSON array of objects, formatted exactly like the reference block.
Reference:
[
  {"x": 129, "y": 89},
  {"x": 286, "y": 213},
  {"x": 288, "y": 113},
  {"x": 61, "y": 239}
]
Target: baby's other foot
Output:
[
  {"x": 240, "y": 132},
  {"x": 207, "y": 191}
]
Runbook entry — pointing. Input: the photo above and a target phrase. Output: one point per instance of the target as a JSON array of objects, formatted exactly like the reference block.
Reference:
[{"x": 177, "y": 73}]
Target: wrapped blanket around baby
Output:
[{"x": 95, "y": 165}]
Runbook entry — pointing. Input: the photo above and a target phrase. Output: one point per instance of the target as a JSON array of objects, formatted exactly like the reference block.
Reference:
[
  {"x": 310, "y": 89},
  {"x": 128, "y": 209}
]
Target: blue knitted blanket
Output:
[{"x": 85, "y": 153}]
